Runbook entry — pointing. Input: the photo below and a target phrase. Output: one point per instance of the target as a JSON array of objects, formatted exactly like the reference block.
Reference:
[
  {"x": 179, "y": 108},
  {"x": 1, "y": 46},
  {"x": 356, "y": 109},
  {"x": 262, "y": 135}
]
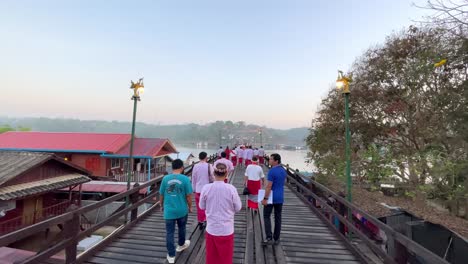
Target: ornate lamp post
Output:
[
  {"x": 138, "y": 89},
  {"x": 342, "y": 83}
]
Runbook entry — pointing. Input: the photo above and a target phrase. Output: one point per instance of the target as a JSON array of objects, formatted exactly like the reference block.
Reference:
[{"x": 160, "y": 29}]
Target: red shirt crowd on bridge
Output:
[{"x": 217, "y": 201}]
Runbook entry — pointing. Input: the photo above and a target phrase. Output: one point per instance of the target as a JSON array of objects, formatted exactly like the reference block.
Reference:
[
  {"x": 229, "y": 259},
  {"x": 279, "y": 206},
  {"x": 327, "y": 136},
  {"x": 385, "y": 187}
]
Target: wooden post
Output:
[
  {"x": 397, "y": 251},
  {"x": 133, "y": 200},
  {"x": 79, "y": 198},
  {"x": 312, "y": 188},
  {"x": 71, "y": 229},
  {"x": 70, "y": 194}
]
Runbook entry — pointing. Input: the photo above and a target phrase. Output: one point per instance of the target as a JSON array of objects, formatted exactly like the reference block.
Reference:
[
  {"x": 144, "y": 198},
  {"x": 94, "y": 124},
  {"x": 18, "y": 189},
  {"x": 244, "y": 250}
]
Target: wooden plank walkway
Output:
[
  {"x": 304, "y": 238},
  {"x": 197, "y": 255},
  {"x": 143, "y": 243}
]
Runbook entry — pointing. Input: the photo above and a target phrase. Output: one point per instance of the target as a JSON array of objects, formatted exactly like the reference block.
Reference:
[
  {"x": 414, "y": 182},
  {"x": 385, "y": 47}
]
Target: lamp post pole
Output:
[
  {"x": 138, "y": 89},
  {"x": 348, "y": 149},
  {"x": 130, "y": 161},
  {"x": 261, "y": 137},
  {"x": 342, "y": 82}
]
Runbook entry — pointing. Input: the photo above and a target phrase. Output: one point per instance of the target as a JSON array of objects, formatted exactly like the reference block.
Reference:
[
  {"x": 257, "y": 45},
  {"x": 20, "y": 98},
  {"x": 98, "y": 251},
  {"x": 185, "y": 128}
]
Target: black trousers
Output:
[{"x": 267, "y": 219}]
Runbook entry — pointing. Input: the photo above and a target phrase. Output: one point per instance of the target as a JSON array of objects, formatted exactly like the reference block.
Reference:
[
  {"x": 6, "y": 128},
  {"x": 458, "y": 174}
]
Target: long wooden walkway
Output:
[{"x": 304, "y": 238}]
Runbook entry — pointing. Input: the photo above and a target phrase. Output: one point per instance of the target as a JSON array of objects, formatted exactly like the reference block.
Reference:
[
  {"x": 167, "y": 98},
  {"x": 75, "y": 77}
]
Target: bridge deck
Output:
[{"x": 304, "y": 238}]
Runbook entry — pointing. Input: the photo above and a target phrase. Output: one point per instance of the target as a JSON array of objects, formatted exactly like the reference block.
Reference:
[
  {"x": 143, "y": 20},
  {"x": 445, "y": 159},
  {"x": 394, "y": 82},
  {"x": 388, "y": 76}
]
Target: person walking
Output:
[
  {"x": 202, "y": 174},
  {"x": 225, "y": 161},
  {"x": 176, "y": 203},
  {"x": 221, "y": 201},
  {"x": 255, "y": 153},
  {"x": 254, "y": 177},
  {"x": 228, "y": 152},
  {"x": 248, "y": 155},
  {"x": 220, "y": 150},
  {"x": 240, "y": 155},
  {"x": 234, "y": 156},
  {"x": 276, "y": 179},
  {"x": 261, "y": 154}
]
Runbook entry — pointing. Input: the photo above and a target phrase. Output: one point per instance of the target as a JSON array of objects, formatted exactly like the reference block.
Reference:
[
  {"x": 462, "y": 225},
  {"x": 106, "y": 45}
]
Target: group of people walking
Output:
[
  {"x": 217, "y": 202},
  {"x": 243, "y": 154}
]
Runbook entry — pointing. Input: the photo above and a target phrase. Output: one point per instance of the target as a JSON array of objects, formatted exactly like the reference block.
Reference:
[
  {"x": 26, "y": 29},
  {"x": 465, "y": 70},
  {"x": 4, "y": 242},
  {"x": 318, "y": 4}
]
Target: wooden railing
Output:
[
  {"x": 136, "y": 177},
  {"x": 139, "y": 176},
  {"x": 72, "y": 232},
  {"x": 32, "y": 218},
  {"x": 316, "y": 194}
]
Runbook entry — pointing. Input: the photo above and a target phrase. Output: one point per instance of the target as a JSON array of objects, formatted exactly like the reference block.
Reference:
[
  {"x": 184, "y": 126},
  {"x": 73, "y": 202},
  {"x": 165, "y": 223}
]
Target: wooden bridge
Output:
[{"x": 312, "y": 232}]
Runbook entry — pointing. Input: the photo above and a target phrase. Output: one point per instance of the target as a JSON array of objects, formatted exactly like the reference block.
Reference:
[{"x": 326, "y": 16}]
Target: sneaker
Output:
[
  {"x": 267, "y": 242},
  {"x": 184, "y": 246},
  {"x": 170, "y": 259}
]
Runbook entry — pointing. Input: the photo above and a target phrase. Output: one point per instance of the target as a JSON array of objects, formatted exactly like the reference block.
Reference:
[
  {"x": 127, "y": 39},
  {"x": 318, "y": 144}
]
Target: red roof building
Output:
[
  {"x": 28, "y": 181},
  {"x": 101, "y": 153},
  {"x": 63, "y": 142}
]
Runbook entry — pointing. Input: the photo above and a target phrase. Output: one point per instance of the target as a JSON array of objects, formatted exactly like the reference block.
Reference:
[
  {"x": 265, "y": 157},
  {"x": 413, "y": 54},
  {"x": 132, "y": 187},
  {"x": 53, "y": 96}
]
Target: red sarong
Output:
[
  {"x": 219, "y": 249},
  {"x": 201, "y": 216},
  {"x": 240, "y": 161},
  {"x": 234, "y": 160},
  {"x": 261, "y": 160},
  {"x": 253, "y": 186},
  {"x": 248, "y": 162}
]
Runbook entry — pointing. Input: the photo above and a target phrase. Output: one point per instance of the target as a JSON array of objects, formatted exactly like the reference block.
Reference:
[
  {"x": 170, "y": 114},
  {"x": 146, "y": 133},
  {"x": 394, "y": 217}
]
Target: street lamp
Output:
[
  {"x": 342, "y": 83},
  {"x": 138, "y": 89}
]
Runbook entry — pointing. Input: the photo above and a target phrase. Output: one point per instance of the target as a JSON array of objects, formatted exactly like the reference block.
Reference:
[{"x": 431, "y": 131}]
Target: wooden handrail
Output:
[
  {"x": 422, "y": 252},
  {"x": 72, "y": 221},
  {"x": 37, "y": 216}
]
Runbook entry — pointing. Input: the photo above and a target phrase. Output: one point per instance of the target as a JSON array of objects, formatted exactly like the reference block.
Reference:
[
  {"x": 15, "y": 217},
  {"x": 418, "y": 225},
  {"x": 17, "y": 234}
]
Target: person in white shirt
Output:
[
  {"x": 228, "y": 163},
  {"x": 248, "y": 155},
  {"x": 261, "y": 154},
  {"x": 255, "y": 152},
  {"x": 234, "y": 156},
  {"x": 253, "y": 181},
  {"x": 220, "y": 150},
  {"x": 240, "y": 155},
  {"x": 202, "y": 174}
]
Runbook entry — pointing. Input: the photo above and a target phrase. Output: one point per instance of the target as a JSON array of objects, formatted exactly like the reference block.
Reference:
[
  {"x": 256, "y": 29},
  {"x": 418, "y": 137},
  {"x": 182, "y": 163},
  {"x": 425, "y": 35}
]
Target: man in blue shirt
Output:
[
  {"x": 176, "y": 202},
  {"x": 276, "y": 179}
]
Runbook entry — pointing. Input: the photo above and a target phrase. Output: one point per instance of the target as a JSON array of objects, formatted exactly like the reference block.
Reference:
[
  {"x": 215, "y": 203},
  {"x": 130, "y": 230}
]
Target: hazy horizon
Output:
[
  {"x": 147, "y": 123},
  {"x": 264, "y": 62}
]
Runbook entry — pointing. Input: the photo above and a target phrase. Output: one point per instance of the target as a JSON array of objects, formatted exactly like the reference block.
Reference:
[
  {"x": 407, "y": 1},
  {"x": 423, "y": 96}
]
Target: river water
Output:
[{"x": 295, "y": 158}]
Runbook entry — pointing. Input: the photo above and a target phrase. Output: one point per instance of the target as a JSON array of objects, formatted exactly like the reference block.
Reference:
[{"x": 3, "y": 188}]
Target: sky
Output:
[{"x": 264, "y": 62}]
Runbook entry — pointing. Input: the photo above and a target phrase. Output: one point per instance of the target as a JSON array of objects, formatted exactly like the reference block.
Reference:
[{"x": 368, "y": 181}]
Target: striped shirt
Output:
[{"x": 221, "y": 201}]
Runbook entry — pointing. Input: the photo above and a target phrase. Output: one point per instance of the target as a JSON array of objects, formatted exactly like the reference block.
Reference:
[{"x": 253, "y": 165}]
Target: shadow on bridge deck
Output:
[{"x": 304, "y": 238}]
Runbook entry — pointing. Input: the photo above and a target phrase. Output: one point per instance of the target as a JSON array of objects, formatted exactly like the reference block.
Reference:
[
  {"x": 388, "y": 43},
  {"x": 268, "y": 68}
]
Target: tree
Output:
[
  {"x": 452, "y": 15},
  {"x": 6, "y": 128},
  {"x": 402, "y": 110}
]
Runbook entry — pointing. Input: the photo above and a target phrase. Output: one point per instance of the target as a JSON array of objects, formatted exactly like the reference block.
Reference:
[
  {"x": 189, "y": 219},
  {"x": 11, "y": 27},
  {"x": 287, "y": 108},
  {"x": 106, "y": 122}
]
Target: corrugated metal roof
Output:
[
  {"x": 110, "y": 187},
  {"x": 148, "y": 147},
  {"x": 65, "y": 142},
  {"x": 35, "y": 187},
  {"x": 182, "y": 155},
  {"x": 14, "y": 163}
]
